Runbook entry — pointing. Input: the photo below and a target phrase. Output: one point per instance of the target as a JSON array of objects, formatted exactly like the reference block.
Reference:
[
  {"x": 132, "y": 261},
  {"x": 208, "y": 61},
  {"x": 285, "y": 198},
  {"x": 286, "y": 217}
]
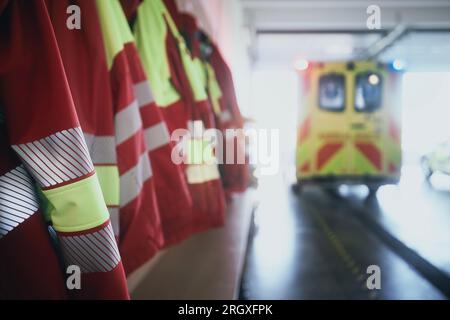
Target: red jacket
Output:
[
  {"x": 235, "y": 176},
  {"x": 110, "y": 118},
  {"x": 172, "y": 190},
  {"x": 207, "y": 196},
  {"x": 43, "y": 129}
]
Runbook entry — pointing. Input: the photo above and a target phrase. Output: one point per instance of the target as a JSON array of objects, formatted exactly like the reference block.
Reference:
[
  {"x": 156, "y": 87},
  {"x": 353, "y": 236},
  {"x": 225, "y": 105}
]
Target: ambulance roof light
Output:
[
  {"x": 398, "y": 65},
  {"x": 301, "y": 64}
]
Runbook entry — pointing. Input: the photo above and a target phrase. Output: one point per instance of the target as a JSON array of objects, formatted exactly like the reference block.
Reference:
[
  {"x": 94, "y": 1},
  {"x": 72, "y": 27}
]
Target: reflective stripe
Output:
[
  {"x": 372, "y": 153},
  {"x": 128, "y": 122},
  {"x": 143, "y": 93},
  {"x": 58, "y": 158},
  {"x": 326, "y": 152},
  {"x": 93, "y": 252},
  {"x": 131, "y": 182},
  {"x": 115, "y": 220},
  {"x": 101, "y": 148},
  {"x": 202, "y": 173},
  {"x": 108, "y": 177},
  {"x": 157, "y": 136},
  {"x": 78, "y": 151},
  {"x": 18, "y": 199},
  {"x": 77, "y": 206}
]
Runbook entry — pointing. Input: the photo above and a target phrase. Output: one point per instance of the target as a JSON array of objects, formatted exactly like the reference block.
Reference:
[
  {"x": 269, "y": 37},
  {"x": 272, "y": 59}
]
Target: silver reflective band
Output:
[
  {"x": 201, "y": 173},
  {"x": 115, "y": 221},
  {"x": 127, "y": 123},
  {"x": 18, "y": 200},
  {"x": 131, "y": 182},
  {"x": 101, "y": 148},
  {"x": 143, "y": 93},
  {"x": 58, "y": 158},
  {"x": 92, "y": 252},
  {"x": 157, "y": 136}
]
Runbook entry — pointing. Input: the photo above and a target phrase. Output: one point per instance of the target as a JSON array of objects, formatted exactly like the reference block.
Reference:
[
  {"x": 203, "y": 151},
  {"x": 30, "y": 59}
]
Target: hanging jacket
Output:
[
  {"x": 236, "y": 176},
  {"x": 219, "y": 83},
  {"x": 171, "y": 187},
  {"x": 42, "y": 128},
  {"x": 140, "y": 221},
  {"x": 169, "y": 68},
  {"x": 100, "y": 81},
  {"x": 196, "y": 89}
]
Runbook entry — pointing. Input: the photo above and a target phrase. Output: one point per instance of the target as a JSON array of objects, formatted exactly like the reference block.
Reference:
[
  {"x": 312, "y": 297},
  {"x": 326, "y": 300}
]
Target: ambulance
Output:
[{"x": 349, "y": 125}]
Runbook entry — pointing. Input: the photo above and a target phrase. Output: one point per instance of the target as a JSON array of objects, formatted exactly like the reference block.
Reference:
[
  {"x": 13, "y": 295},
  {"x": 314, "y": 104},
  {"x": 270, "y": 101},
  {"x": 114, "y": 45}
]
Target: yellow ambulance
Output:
[{"x": 350, "y": 125}]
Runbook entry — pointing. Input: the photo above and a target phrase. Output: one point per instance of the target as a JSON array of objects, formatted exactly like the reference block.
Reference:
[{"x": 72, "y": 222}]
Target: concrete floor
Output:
[{"x": 315, "y": 246}]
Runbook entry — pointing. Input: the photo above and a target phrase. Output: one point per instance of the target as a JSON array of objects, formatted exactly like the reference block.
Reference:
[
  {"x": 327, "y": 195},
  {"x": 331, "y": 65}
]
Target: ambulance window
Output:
[
  {"x": 368, "y": 92},
  {"x": 332, "y": 92}
]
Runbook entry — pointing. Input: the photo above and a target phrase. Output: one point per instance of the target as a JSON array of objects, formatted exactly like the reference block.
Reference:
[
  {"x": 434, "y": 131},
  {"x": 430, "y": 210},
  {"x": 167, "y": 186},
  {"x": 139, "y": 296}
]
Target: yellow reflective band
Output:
[
  {"x": 108, "y": 176},
  {"x": 45, "y": 206},
  {"x": 115, "y": 29},
  {"x": 200, "y": 151},
  {"x": 202, "y": 173},
  {"x": 78, "y": 206}
]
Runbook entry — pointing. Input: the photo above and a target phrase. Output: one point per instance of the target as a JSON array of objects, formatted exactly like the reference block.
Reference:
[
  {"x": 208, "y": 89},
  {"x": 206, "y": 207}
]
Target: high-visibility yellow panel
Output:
[
  {"x": 114, "y": 27},
  {"x": 108, "y": 176},
  {"x": 150, "y": 31},
  {"x": 78, "y": 206}
]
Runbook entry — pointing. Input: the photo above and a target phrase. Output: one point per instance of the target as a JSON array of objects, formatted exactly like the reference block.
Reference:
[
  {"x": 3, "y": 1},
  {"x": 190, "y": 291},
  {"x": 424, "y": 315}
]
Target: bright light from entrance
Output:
[{"x": 425, "y": 113}]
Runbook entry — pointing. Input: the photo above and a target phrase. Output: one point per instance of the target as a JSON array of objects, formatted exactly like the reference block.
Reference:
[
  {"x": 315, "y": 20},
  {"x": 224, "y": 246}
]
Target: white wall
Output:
[
  {"x": 274, "y": 105},
  {"x": 426, "y": 112}
]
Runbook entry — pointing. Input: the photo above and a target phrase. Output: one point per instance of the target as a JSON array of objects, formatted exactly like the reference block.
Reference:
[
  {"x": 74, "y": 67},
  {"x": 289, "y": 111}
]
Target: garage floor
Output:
[{"x": 316, "y": 246}]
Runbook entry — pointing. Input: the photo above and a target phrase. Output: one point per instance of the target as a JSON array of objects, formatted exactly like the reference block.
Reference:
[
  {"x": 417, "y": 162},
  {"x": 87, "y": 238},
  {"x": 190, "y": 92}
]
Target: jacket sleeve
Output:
[
  {"x": 44, "y": 131},
  {"x": 225, "y": 80}
]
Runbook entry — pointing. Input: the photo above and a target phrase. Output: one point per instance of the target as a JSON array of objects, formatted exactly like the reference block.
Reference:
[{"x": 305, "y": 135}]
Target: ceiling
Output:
[{"x": 417, "y": 32}]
